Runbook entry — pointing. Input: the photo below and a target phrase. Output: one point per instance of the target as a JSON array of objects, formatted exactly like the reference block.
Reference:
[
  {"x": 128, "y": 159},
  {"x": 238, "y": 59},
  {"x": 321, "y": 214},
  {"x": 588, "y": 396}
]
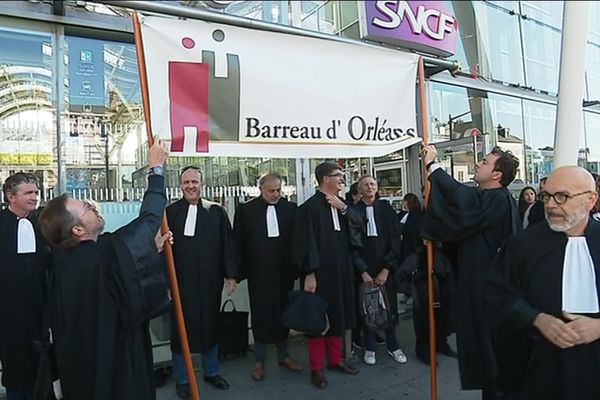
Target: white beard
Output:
[{"x": 569, "y": 222}]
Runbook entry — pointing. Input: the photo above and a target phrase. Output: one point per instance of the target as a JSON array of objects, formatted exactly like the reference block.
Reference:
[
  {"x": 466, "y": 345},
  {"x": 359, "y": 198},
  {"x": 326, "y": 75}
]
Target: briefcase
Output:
[{"x": 233, "y": 331}]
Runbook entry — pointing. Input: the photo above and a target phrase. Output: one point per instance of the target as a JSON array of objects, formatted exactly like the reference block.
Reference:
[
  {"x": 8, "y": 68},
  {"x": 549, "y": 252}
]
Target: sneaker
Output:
[
  {"x": 369, "y": 357},
  {"x": 398, "y": 356}
]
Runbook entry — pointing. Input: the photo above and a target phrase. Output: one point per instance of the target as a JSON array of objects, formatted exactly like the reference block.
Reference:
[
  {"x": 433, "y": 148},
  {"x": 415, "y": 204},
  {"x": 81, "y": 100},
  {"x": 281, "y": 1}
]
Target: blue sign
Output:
[{"x": 86, "y": 72}]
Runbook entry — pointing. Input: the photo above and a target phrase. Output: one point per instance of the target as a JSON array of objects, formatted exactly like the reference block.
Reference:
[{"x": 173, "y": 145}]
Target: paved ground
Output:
[{"x": 385, "y": 380}]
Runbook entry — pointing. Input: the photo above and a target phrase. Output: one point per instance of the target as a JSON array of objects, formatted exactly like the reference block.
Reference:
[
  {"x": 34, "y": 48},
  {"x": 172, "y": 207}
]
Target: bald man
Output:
[{"x": 543, "y": 299}]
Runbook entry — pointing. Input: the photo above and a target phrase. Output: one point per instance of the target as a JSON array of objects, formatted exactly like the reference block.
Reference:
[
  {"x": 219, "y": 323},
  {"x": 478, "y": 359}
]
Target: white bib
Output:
[
  {"x": 371, "y": 225},
  {"x": 25, "y": 237},
  {"x": 190, "y": 221},
  {"x": 579, "y": 292},
  {"x": 272, "y": 223}
]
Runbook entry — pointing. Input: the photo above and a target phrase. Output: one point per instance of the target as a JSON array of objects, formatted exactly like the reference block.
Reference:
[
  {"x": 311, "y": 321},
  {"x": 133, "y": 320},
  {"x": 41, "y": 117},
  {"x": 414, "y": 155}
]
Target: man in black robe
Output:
[
  {"x": 104, "y": 290},
  {"x": 205, "y": 256},
  {"x": 263, "y": 228},
  {"x": 25, "y": 262},
  {"x": 321, "y": 250},
  {"x": 543, "y": 297},
  {"x": 479, "y": 220},
  {"x": 377, "y": 260}
]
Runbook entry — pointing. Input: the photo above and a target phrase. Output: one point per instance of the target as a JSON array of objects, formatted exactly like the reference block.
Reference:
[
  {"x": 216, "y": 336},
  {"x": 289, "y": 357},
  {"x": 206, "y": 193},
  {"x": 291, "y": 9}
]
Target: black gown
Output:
[
  {"x": 22, "y": 301},
  {"x": 318, "y": 248},
  {"x": 479, "y": 221},
  {"x": 382, "y": 250},
  {"x": 99, "y": 323},
  {"x": 267, "y": 264},
  {"x": 527, "y": 280},
  {"x": 202, "y": 262}
]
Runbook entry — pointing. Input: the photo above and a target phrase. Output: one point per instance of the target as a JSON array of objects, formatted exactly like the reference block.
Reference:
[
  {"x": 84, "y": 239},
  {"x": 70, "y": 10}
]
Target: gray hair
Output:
[
  {"x": 11, "y": 184},
  {"x": 271, "y": 176}
]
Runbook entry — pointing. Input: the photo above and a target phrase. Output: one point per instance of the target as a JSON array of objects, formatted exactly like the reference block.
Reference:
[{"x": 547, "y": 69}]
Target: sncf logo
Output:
[
  {"x": 202, "y": 105},
  {"x": 432, "y": 22}
]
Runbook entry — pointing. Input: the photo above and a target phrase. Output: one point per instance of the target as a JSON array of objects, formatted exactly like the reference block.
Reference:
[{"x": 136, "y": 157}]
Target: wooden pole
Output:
[
  {"x": 425, "y": 136},
  {"x": 168, "y": 250}
]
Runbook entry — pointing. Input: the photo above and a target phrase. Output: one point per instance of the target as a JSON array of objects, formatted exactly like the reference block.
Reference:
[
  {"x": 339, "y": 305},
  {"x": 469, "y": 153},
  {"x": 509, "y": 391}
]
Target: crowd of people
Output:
[{"x": 516, "y": 280}]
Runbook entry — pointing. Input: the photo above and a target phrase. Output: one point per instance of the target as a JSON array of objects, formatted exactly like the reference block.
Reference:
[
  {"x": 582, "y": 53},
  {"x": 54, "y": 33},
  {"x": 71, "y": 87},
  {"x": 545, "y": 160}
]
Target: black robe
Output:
[
  {"x": 202, "y": 262},
  {"x": 411, "y": 234},
  {"x": 526, "y": 281},
  {"x": 267, "y": 264},
  {"x": 382, "y": 250},
  {"x": 22, "y": 301},
  {"x": 318, "y": 248},
  {"x": 479, "y": 221},
  {"x": 99, "y": 323}
]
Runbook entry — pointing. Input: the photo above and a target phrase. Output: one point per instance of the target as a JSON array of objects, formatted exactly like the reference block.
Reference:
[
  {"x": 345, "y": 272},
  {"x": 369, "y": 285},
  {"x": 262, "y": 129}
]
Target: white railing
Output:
[{"x": 215, "y": 193}]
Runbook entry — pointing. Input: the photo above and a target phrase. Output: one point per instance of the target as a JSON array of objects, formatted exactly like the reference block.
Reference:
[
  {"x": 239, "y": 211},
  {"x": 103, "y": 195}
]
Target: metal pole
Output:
[
  {"x": 571, "y": 82},
  {"x": 59, "y": 92},
  {"x": 430, "y": 260}
]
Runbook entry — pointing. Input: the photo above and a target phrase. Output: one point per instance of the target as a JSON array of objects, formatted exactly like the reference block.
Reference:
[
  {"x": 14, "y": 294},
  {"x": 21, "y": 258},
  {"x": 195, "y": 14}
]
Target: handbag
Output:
[
  {"x": 232, "y": 331},
  {"x": 375, "y": 307},
  {"x": 306, "y": 313}
]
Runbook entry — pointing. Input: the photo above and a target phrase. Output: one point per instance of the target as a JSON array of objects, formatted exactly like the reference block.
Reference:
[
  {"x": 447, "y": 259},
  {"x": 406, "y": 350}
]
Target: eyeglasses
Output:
[
  {"x": 560, "y": 197},
  {"x": 89, "y": 205}
]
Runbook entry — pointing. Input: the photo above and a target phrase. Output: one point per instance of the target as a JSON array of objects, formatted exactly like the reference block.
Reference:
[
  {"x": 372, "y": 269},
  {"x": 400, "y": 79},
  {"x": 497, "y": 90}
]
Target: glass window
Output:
[
  {"x": 500, "y": 55},
  {"x": 507, "y": 5},
  {"x": 594, "y": 23},
  {"x": 592, "y": 71},
  {"x": 542, "y": 56},
  {"x": 450, "y": 112},
  {"x": 547, "y": 12},
  {"x": 592, "y": 130},
  {"x": 103, "y": 113},
  {"x": 27, "y": 108},
  {"x": 348, "y": 13},
  {"x": 539, "y": 124}
]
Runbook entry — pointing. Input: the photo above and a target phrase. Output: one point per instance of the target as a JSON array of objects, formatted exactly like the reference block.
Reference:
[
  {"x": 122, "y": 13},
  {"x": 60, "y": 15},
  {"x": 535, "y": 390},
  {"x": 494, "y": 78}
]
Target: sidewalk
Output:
[{"x": 385, "y": 380}]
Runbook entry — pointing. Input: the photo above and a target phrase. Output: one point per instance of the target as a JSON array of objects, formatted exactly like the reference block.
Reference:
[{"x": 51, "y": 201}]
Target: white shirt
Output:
[
  {"x": 336, "y": 219},
  {"x": 579, "y": 292},
  {"x": 272, "y": 223},
  {"x": 25, "y": 237},
  {"x": 371, "y": 225},
  {"x": 190, "y": 221}
]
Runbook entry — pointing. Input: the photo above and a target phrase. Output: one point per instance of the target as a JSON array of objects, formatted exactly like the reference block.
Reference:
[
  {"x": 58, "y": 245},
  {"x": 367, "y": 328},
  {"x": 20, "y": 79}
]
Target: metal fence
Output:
[{"x": 215, "y": 193}]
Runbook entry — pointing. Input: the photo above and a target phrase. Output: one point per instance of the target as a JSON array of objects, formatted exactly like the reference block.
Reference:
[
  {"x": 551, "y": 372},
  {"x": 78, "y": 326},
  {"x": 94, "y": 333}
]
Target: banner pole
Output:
[
  {"x": 425, "y": 136},
  {"x": 168, "y": 250}
]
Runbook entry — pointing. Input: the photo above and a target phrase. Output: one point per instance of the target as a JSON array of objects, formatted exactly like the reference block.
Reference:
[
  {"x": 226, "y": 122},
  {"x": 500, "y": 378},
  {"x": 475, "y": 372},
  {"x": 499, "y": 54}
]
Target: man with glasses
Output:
[
  {"x": 25, "y": 261},
  {"x": 321, "y": 250},
  {"x": 478, "y": 220},
  {"x": 206, "y": 258},
  {"x": 543, "y": 296},
  {"x": 104, "y": 290}
]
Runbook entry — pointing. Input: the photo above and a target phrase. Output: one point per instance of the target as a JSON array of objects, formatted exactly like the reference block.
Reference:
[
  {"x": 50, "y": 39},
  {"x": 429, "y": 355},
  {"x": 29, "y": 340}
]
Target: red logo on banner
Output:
[{"x": 188, "y": 92}]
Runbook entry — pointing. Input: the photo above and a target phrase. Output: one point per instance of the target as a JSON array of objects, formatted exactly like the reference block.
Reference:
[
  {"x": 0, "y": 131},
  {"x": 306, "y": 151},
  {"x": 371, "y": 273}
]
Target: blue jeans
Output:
[
  {"x": 210, "y": 365},
  {"x": 391, "y": 340},
  {"x": 12, "y": 395}
]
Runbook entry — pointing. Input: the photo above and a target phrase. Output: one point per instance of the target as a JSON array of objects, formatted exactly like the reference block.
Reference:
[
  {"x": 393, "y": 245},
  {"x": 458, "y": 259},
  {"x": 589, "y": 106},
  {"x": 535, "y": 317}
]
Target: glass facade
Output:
[{"x": 509, "y": 52}]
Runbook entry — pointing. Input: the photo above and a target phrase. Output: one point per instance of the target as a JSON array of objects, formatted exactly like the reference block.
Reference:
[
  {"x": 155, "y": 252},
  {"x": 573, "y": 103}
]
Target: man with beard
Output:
[
  {"x": 543, "y": 296},
  {"x": 263, "y": 228},
  {"x": 205, "y": 256},
  {"x": 104, "y": 290},
  {"x": 25, "y": 263},
  {"x": 479, "y": 220},
  {"x": 321, "y": 250}
]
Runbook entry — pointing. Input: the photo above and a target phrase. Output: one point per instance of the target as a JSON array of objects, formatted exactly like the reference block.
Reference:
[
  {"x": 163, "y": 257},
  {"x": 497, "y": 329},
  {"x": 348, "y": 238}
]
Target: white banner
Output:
[{"x": 222, "y": 90}]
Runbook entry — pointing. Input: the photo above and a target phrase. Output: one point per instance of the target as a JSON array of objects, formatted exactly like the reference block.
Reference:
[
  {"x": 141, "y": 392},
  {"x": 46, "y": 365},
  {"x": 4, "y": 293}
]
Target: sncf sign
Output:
[{"x": 421, "y": 25}]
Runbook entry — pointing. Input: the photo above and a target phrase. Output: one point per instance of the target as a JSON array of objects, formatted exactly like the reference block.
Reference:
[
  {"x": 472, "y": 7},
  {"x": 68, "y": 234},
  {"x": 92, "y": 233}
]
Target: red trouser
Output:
[{"x": 316, "y": 351}]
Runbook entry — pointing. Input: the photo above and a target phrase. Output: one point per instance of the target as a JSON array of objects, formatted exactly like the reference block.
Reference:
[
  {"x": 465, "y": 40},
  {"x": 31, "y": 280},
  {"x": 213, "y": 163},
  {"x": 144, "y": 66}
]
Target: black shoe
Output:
[
  {"x": 446, "y": 350},
  {"x": 217, "y": 382},
  {"x": 357, "y": 346},
  {"x": 183, "y": 390}
]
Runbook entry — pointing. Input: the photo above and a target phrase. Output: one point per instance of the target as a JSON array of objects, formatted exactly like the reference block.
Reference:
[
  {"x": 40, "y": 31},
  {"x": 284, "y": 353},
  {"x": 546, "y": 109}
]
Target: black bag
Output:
[
  {"x": 233, "y": 331},
  {"x": 375, "y": 307},
  {"x": 306, "y": 313}
]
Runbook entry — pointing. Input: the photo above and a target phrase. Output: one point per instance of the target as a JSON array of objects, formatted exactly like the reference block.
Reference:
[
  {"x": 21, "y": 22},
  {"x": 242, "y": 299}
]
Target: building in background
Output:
[{"x": 70, "y": 104}]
